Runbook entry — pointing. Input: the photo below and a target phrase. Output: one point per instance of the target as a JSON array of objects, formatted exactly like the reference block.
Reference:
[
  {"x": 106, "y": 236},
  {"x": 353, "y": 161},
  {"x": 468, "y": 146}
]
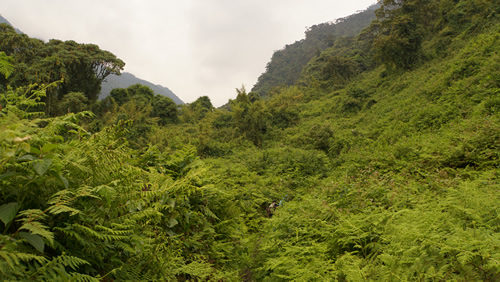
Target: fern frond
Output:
[
  {"x": 29, "y": 220},
  {"x": 71, "y": 261},
  {"x": 38, "y": 228},
  {"x": 113, "y": 231},
  {"x": 6, "y": 67},
  {"x": 98, "y": 235},
  {"x": 13, "y": 258},
  {"x": 144, "y": 214},
  {"x": 78, "y": 277},
  {"x": 68, "y": 232},
  {"x": 57, "y": 209},
  {"x": 56, "y": 268}
]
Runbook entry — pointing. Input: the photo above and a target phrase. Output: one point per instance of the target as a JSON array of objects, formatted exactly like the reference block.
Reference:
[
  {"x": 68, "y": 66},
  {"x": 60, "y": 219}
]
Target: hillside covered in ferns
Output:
[{"x": 380, "y": 148}]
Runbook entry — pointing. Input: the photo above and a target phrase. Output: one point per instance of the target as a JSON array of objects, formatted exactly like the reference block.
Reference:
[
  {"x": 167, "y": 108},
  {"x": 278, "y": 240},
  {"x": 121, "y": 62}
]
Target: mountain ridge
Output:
[
  {"x": 127, "y": 79},
  {"x": 285, "y": 66},
  {"x": 5, "y": 21}
]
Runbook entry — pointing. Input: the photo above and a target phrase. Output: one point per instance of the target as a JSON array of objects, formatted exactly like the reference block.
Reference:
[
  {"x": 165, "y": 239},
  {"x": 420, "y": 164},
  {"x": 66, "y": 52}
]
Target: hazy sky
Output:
[{"x": 193, "y": 47}]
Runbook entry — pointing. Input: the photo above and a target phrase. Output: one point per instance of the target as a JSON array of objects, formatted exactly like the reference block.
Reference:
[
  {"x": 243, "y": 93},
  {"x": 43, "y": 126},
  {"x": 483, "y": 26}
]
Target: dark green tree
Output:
[
  {"x": 120, "y": 95},
  {"x": 196, "y": 110},
  {"x": 400, "y": 28},
  {"x": 141, "y": 94},
  {"x": 250, "y": 118},
  {"x": 72, "y": 102},
  {"x": 77, "y": 67},
  {"x": 165, "y": 109}
]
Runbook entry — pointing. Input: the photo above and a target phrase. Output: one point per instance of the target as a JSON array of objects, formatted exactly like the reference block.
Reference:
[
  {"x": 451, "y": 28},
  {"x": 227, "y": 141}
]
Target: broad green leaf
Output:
[
  {"x": 35, "y": 150},
  {"x": 171, "y": 202},
  {"x": 48, "y": 147},
  {"x": 35, "y": 240},
  {"x": 42, "y": 166},
  {"x": 25, "y": 146},
  {"x": 63, "y": 180},
  {"x": 27, "y": 157},
  {"x": 172, "y": 222},
  {"x": 8, "y": 212},
  {"x": 8, "y": 174}
]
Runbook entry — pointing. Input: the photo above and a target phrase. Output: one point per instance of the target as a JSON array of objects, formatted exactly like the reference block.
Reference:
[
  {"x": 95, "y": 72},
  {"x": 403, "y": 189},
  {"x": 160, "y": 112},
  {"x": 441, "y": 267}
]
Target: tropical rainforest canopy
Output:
[{"x": 378, "y": 137}]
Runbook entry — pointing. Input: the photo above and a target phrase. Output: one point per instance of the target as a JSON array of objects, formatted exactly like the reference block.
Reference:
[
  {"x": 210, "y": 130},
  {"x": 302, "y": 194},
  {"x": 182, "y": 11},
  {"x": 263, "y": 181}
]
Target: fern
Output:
[
  {"x": 60, "y": 201},
  {"x": 108, "y": 236},
  {"x": 29, "y": 221},
  {"x": 6, "y": 67},
  {"x": 56, "y": 269},
  {"x": 14, "y": 259}
]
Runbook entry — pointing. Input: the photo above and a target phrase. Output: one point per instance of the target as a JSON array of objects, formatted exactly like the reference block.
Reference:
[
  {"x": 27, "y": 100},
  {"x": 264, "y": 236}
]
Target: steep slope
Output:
[
  {"x": 127, "y": 79},
  {"x": 412, "y": 190},
  {"x": 5, "y": 21},
  {"x": 287, "y": 64},
  {"x": 388, "y": 174}
]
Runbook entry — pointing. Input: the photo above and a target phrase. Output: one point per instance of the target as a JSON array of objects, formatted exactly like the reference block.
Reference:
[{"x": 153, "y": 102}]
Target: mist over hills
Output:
[
  {"x": 127, "y": 79},
  {"x": 5, "y": 21}
]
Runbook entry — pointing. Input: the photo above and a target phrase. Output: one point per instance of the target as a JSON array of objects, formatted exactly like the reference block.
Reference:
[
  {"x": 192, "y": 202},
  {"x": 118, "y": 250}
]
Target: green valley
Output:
[{"x": 380, "y": 146}]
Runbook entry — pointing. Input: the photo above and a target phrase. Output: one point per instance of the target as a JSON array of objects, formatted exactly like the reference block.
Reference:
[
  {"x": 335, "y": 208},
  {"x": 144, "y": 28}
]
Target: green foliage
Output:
[
  {"x": 92, "y": 202},
  {"x": 197, "y": 110},
  {"x": 286, "y": 65},
  {"x": 250, "y": 118},
  {"x": 140, "y": 97},
  {"x": 379, "y": 175},
  {"x": 120, "y": 95},
  {"x": 336, "y": 66},
  {"x": 165, "y": 109},
  {"x": 73, "y": 102},
  {"x": 79, "y": 67},
  {"x": 399, "y": 31},
  {"x": 6, "y": 66}
]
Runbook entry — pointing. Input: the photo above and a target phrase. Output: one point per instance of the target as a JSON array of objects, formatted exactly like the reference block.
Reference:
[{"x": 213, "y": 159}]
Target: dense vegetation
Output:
[
  {"x": 286, "y": 64},
  {"x": 126, "y": 79},
  {"x": 73, "y": 67},
  {"x": 384, "y": 156}
]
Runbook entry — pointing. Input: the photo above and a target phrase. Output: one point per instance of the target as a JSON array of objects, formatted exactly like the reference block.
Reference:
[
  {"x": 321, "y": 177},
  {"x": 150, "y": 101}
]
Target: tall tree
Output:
[
  {"x": 165, "y": 109},
  {"x": 399, "y": 30},
  {"x": 78, "y": 67},
  {"x": 250, "y": 118}
]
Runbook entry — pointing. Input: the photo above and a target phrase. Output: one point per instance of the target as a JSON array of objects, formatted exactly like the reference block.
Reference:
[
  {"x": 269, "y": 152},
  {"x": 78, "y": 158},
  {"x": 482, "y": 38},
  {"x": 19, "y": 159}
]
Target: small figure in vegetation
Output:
[
  {"x": 146, "y": 187},
  {"x": 272, "y": 207}
]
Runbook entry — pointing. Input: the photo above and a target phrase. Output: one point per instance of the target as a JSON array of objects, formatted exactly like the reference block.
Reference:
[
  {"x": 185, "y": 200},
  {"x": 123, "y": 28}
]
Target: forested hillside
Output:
[
  {"x": 5, "y": 21},
  {"x": 126, "y": 79},
  {"x": 379, "y": 163},
  {"x": 286, "y": 64}
]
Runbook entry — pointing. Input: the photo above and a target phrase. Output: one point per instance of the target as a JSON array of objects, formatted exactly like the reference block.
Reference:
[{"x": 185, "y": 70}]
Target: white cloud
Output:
[{"x": 194, "y": 47}]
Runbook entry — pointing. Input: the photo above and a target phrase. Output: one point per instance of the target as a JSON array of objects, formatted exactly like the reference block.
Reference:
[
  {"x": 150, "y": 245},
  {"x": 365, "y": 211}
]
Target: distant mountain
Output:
[
  {"x": 123, "y": 81},
  {"x": 127, "y": 79},
  {"x": 5, "y": 21},
  {"x": 286, "y": 64}
]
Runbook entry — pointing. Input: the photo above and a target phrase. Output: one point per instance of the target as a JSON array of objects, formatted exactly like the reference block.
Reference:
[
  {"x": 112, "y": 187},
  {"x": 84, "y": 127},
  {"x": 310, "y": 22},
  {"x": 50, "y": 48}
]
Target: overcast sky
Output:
[{"x": 193, "y": 47}]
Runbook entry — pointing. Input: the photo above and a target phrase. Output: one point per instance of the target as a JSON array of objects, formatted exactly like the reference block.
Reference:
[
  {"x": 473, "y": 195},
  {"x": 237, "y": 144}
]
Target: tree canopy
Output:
[{"x": 78, "y": 67}]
